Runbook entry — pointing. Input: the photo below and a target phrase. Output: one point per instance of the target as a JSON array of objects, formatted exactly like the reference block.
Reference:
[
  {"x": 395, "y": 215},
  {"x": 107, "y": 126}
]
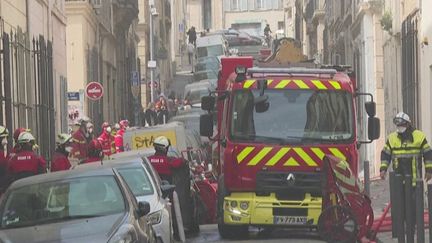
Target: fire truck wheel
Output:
[
  {"x": 227, "y": 231},
  {"x": 337, "y": 224},
  {"x": 194, "y": 228}
]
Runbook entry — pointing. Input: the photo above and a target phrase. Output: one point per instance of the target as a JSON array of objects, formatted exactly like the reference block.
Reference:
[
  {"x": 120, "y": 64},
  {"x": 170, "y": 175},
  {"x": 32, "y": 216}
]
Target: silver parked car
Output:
[
  {"x": 92, "y": 205},
  {"x": 146, "y": 186}
]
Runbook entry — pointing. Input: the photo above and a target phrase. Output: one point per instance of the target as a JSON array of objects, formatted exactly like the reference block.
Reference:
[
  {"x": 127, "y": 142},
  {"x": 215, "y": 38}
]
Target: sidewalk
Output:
[{"x": 380, "y": 196}]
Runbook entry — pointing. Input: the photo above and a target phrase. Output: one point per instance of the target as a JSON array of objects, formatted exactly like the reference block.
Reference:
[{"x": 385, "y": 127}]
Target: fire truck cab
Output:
[{"x": 275, "y": 124}]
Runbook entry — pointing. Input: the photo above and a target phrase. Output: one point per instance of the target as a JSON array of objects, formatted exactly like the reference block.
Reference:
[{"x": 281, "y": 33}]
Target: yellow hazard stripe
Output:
[
  {"x": 282, "y": 84},
  {"x": 318, "y": 152},
  {"x": 248, "y": 83},
  {"x": 259, "y": 156},
  {"x": 269, "y": 81},
  {"x": 319, "y": 84},
  {"x": 309, "y": 161},
  {"x": 278, "y": 156},
  {"x": 291, "y": 162},
  {"x": 301, "y": 84},
  {"x": 245, "y": 152},
  {"x": 335, "y": 84},
  {"x": 336, "y": 152}
]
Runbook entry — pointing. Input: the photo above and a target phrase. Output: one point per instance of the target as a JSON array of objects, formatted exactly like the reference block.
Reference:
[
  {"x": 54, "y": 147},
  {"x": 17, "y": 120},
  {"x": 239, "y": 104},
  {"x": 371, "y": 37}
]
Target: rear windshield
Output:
[{"x": 137, "y": 180}]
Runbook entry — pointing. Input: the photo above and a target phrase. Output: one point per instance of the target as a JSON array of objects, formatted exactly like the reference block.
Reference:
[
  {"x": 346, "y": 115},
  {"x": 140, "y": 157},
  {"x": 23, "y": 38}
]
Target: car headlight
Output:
[
  {"x": 126, "y": 234},
  {"x": 155, "y": 218}
]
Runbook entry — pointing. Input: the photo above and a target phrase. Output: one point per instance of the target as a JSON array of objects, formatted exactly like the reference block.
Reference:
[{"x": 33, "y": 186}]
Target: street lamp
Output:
[{"x": 152, "y": 62}]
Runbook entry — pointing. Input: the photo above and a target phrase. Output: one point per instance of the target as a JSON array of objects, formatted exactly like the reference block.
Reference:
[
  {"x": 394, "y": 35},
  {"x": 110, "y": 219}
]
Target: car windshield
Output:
[
  {"x": 137, "y": 180},
  {"x": 292, "y": 116},
  {"x": 208, "y": 51},
  {"x": 58, "y": 201}
]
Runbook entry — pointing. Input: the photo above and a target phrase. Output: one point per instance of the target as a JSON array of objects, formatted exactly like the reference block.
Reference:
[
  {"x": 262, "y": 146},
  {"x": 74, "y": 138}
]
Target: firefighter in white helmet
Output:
[
  {"x": 161, "y": 161},
  {"x": 26, "y": 162},
  {"x": 406, "y": 148}
]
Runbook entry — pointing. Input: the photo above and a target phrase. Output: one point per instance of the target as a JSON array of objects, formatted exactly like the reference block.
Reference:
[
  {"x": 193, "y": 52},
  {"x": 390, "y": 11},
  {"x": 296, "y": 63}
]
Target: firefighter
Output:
[
  {"x": 60, "y": 158},
  {"x": 95, "y": 152},
  {"x": 16, "y": 134},
  {"x": 25, "y": 162},
  {"x": 106, "y": 139},
  {"x": 404, "y": 148},
  {"x": 4, "y": 134},
  {"x": 124, "y": 124},
  {"x": 90, "y": 132},
  {"x": 161, "y": 161},
  {"x": 79, "y": 140}
]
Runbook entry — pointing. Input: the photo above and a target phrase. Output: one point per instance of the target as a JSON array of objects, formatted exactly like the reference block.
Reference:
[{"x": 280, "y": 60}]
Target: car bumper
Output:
[
  {"x": 163, "y": 230},
  {"x": 268, "y": 210}
]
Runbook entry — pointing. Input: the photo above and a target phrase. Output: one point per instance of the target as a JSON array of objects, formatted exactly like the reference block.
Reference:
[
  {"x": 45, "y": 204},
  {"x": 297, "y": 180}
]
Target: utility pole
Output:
[{"x": 152, "y": 63}]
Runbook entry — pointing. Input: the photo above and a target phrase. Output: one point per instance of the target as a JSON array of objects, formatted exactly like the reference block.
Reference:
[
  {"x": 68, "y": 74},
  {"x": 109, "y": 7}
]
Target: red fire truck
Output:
[{"x": 275, "y": 124}]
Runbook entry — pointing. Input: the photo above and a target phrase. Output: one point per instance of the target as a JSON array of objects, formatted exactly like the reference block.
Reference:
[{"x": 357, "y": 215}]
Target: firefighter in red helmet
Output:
[
  {"x": 124, "y": 124},
  {"x": 106, "y": 139},
  {"x": 25, "y": 162},
  {"x": 79, "y": 140}
]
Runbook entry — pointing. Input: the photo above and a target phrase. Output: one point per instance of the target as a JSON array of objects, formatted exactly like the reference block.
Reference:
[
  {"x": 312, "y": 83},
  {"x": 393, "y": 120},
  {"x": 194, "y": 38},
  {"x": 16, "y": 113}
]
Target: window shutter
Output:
[
  {"x": 227, "y": 6},
  {"x": 243, "y": 5}
]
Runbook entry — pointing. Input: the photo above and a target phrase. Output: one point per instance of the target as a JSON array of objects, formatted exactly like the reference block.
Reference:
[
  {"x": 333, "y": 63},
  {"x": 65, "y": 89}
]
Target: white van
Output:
[{"x": 211, "y": 46}]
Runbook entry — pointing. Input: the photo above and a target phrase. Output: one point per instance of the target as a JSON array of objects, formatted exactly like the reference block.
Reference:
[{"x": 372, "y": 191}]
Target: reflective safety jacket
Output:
[
  {"x": 60, "y": 162},
  {"x": 164, "y": 164},
  {"x": 24, "y": 164},
  {"x": 79, "y": 145},
  {"x": 119, "y": 140},
  {"x": 407, "y": 154},
  {"x": 107, "y": 142}
]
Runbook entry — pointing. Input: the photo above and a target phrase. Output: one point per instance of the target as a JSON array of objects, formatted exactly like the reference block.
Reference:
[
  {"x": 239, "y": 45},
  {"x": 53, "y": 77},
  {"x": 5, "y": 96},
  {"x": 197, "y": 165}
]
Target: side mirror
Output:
[
  {"x": 164, "y": 182},
  {"x": 143, "y": 208},
  {"x": 370, "y": 108},
  {"x": 206, "y": 125},
  {"x": 261, "y": 104},
  {"x": 262, "y": 107},
  {"x": 373, "y": 128},
  {"x": 167, "y": 190},
  {"x": 207, "y": 103}
]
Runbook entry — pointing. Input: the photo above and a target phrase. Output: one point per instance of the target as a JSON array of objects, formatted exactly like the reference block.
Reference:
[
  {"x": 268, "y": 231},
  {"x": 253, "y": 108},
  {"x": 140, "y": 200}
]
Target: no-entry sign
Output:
[{"x": 94, "y": 91}]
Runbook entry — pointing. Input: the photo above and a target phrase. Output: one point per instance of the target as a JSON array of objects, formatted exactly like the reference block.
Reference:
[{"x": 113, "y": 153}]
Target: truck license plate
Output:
[{"x": 290, "y": 220}]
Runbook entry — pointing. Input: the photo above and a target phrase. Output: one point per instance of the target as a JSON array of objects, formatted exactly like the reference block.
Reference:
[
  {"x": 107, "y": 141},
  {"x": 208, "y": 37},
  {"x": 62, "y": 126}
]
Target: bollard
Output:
[
  {"x": 393, "y": 202},
  {"x": 366, "y": 178},
  {"x": 409, "y": 209},
  {"x": 429, "y": 195},
  {"x": 397, "y": 205},
  {"x": 419, "y": 201}
]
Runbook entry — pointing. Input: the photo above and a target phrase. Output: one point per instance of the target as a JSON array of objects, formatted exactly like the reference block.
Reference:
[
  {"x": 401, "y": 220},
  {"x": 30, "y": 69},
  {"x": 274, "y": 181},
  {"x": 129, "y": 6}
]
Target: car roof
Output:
[
  {"x": 129, "y": 161},
  {"x": 96, "y": 170}
]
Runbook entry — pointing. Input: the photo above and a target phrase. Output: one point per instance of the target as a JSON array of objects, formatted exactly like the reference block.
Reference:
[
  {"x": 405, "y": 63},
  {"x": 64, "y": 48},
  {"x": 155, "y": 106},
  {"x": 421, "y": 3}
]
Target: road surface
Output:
[{"x": 209, "y": 234}]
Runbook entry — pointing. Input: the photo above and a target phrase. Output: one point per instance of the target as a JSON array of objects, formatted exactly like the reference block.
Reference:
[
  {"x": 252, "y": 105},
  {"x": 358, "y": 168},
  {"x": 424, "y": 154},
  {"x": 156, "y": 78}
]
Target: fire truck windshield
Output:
[{"x": 293, "y": 116}]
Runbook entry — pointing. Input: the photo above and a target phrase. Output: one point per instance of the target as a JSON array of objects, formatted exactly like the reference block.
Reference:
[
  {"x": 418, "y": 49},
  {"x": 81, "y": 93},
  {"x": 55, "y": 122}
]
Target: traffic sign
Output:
[
  {"x": 155, "y": 84},
  {"x": 94, "y": 90}
]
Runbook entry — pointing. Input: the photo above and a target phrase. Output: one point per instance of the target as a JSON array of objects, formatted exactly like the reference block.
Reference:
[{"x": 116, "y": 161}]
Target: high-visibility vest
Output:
[{"x": 410, "y": 150}]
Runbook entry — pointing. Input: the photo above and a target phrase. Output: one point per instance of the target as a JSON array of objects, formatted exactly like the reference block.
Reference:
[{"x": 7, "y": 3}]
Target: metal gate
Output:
[
  {"x": 410, "y": 66},
  {"x": 27, "y": 87}
]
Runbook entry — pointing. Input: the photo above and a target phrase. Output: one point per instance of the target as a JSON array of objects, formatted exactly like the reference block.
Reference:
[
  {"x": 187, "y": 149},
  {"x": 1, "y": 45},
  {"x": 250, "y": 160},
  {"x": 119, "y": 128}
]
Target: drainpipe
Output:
[{"x": 27, "y": 16}]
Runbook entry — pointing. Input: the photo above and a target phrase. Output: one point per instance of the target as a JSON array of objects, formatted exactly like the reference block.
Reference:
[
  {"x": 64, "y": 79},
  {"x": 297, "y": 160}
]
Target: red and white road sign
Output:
[
  {"x": 94, "y": 91},
  {"x": 155, "y": 84}
]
